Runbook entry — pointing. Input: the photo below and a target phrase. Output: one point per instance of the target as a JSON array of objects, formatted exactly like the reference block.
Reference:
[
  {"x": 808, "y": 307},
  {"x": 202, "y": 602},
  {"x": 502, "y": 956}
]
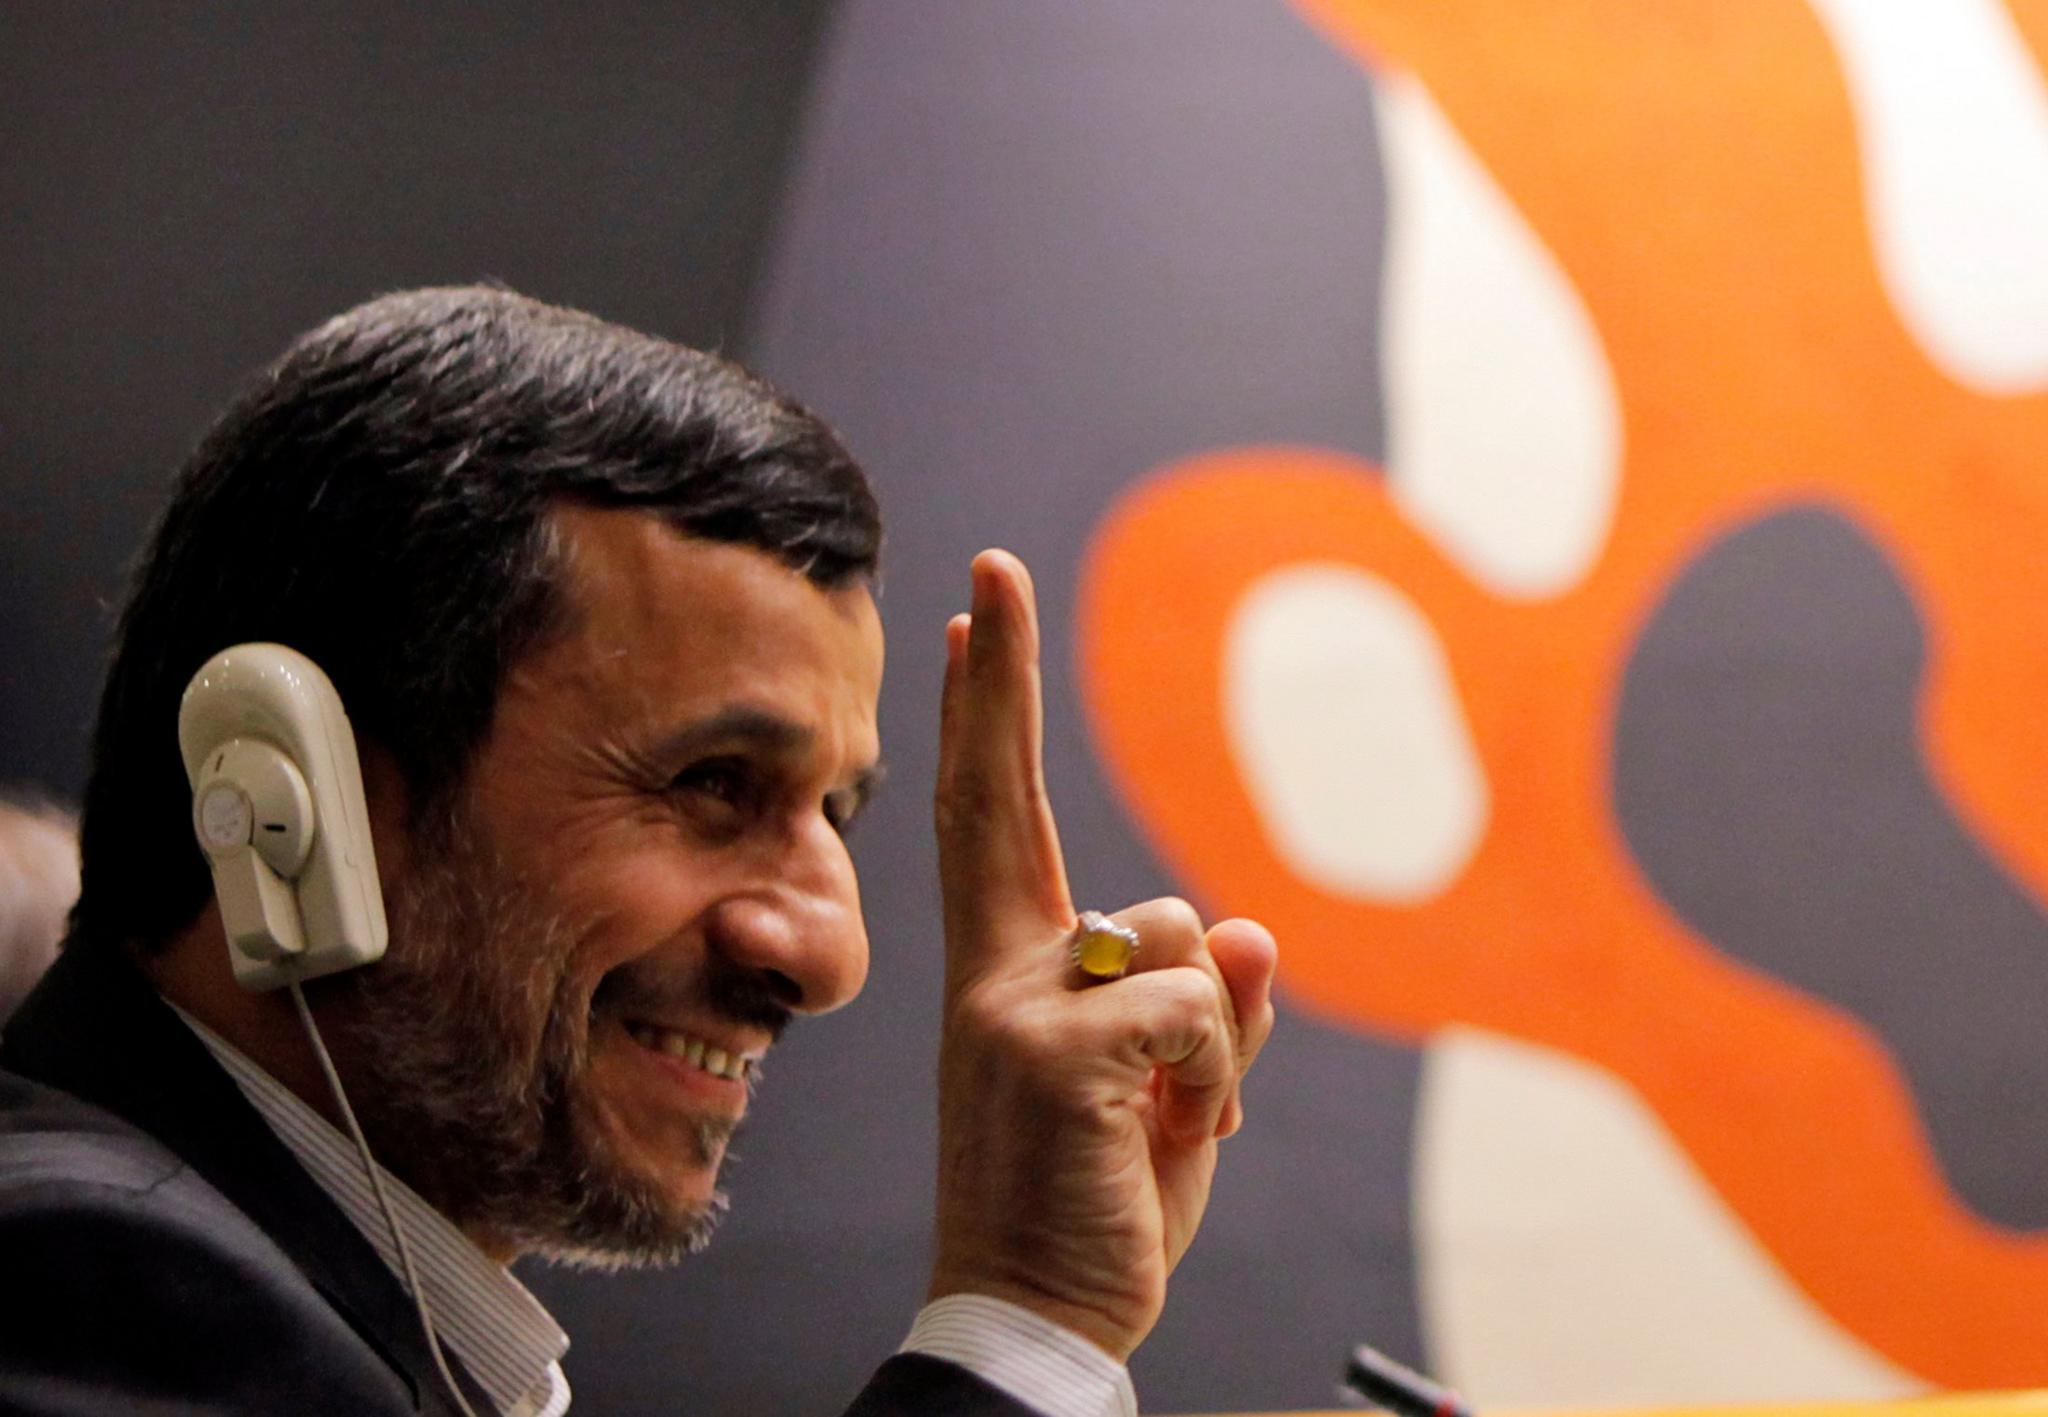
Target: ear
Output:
[{"x": 388, "y": 800}]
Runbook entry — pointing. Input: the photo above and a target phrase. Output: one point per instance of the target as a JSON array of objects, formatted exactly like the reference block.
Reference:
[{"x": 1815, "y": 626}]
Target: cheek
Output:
[{"x": 632, "y": 904}]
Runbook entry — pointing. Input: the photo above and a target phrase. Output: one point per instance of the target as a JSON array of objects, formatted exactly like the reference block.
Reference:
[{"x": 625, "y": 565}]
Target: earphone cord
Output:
[{"x": 371, "y": 1169}]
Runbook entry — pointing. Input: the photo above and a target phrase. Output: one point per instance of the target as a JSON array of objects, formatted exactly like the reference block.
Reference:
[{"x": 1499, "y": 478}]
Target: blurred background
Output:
[{"x": 1540, "y": 502}]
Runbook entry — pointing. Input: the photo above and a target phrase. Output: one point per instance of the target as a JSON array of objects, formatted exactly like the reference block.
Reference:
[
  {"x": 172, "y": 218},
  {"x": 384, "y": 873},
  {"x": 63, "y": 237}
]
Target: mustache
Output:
[{"x": 726, "y": 991}]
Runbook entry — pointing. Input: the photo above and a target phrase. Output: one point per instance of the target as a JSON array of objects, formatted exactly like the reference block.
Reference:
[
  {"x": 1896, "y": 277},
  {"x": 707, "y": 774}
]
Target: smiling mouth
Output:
[{"x": 695, "y": 1051}]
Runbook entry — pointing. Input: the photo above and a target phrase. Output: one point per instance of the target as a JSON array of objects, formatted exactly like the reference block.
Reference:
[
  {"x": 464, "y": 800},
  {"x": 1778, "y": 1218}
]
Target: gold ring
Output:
[{"x": 1101, "y": 948}]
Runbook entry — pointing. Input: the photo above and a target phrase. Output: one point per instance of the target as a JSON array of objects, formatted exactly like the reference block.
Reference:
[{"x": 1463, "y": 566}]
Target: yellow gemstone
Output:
[{"x": 1103, "y": 953}]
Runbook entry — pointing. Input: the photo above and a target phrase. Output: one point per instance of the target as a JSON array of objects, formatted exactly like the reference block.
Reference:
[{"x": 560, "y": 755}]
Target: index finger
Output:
[{"x": 1000, "y": 869}]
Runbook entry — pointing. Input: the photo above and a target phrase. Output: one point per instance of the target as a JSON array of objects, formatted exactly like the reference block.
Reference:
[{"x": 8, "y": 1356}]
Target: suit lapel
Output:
[{"x": 95, "y": 1028}]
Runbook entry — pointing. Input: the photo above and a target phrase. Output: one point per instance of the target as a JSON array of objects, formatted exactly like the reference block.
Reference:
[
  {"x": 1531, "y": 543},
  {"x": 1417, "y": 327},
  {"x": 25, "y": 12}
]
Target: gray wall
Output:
[{"x": 185, "y": 188}]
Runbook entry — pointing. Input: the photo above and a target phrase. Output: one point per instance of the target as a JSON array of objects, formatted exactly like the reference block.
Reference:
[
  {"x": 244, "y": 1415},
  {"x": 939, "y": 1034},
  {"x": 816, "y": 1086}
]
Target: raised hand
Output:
[{"x": 1078, "y": 1121}]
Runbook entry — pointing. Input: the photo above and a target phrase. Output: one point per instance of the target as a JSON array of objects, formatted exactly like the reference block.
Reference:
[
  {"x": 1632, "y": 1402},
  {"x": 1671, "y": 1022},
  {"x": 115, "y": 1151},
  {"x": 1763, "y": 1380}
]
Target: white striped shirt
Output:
[
  {"x": 513, "y": 1348},
  {"x": 485, "y": 1317},
  {"x": 1033, "y": 1359}
]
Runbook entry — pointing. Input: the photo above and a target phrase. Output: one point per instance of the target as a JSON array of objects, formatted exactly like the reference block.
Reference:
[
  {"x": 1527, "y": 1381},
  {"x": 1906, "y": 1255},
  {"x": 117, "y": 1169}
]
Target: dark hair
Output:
[{"x": 378, "y": 500}]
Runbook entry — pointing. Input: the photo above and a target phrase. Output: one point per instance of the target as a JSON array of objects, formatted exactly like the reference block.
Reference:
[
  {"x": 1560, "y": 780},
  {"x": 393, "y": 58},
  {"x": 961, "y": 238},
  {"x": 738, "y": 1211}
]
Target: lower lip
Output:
[{"x": 689, "y": 1076}]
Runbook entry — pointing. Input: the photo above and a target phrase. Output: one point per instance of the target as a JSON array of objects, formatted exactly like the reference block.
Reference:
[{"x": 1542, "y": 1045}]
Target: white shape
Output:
[
  {"x": 1348, "y": 732},
  {"x": 1572, "y": 1255},
  {"x": 1952, "y": 118},
  {"x": 1503, "y": 425}
]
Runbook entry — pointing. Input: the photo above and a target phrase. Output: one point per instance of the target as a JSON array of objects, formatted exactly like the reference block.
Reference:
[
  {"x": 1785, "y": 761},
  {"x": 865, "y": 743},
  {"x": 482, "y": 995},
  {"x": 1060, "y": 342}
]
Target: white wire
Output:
[{"x": 370, "y": 1168}]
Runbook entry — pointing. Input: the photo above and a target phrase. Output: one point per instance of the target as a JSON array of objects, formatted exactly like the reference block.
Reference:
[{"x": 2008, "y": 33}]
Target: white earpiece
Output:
[{"x": 277, "y": 803}]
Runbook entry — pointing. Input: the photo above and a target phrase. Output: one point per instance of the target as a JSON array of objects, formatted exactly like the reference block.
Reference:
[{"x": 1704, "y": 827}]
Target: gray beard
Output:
[{"x": 472, "y": 1065}]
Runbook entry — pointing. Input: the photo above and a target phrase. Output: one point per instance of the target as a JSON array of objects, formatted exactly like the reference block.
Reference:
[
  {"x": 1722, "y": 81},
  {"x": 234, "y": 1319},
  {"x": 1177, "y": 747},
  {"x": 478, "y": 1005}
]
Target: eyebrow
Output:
[
  {"x": 736, "y": 723},
  {"x": 757, "y": 728}
]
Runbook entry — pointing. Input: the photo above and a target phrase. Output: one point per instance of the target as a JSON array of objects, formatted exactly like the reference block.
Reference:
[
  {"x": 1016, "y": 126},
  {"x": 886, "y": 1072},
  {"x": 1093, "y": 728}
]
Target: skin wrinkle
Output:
[{"x": 490, "y": 1121}]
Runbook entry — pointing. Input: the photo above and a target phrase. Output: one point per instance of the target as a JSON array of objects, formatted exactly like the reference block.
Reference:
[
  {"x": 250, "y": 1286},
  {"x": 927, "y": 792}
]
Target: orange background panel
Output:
[{"x": 1729, "y": 272}]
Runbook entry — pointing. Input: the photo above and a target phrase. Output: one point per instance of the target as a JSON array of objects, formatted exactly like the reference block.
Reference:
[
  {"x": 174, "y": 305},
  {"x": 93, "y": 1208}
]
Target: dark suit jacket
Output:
[{"x": 162, "y": 1251}]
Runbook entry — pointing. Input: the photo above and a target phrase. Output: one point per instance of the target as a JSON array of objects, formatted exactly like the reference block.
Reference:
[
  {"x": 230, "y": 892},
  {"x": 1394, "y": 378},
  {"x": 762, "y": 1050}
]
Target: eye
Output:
[
  {"x": 842, "y": 809},
  {"x": 728, "y": 785}
]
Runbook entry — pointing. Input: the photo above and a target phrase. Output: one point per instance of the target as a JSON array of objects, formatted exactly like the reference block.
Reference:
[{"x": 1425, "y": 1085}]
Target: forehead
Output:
[{"x": 662, "y": 625}]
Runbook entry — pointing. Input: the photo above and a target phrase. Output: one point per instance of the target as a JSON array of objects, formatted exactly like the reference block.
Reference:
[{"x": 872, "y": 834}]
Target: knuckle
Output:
[
  {"x": 981, "y": 1011},
  {"x": 1195, "y": 992},
  {"x": 1182, "y": 990},
  {"x": 1190, "y": 1005},
  {"x": 1175, "y": 919}
]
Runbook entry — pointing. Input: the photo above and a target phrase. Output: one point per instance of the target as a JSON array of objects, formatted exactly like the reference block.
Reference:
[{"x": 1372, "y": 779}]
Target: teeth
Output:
[{"x": 694, "y": 1051}]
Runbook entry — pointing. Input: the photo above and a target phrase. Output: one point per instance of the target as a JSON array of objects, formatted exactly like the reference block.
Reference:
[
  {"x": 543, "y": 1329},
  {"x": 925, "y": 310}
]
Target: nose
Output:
[{"x": 798, "y": 924}]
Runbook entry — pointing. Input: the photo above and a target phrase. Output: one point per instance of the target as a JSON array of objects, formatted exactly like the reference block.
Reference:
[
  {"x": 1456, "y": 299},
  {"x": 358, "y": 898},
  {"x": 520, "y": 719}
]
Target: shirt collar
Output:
[{"x": 490, "y": 1321}]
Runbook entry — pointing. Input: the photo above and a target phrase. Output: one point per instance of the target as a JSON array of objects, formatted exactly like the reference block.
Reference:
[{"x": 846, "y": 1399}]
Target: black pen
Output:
[{"x": 1399, "y": 1389}]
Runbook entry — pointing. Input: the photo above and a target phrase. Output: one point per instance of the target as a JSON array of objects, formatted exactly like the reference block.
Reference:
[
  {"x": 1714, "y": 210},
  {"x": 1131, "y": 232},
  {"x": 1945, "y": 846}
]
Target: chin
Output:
[
  {"x": 615, "y": 1222},
  {"x": 679, "y": 1182},
  {"x": 633, "y": 1202}
]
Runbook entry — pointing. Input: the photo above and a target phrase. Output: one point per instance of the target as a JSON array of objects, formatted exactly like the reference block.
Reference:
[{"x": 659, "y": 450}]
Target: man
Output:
[{"x": 598, "y": 609}]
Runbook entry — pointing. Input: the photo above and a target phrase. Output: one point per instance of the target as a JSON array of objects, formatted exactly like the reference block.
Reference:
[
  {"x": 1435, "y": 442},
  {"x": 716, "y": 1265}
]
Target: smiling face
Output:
[{"x": 643, "y": 880}]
